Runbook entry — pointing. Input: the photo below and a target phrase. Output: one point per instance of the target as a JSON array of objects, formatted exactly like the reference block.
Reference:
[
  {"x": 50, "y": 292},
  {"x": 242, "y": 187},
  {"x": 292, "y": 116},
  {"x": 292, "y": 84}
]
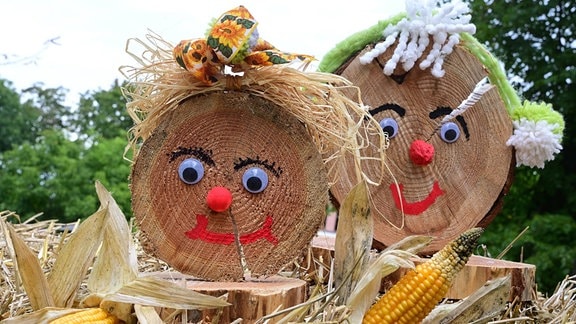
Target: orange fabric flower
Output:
[{"x": 233, "y": 40}]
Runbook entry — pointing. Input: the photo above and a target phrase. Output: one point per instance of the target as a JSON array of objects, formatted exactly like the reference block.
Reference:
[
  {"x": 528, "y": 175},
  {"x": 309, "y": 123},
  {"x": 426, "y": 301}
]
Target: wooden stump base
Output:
[
  {"x": 250, "y": 300},
  {"x": 475, "y": 274}
]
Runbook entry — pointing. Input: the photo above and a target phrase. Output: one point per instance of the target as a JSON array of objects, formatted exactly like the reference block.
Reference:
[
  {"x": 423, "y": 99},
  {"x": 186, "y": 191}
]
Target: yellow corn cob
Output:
[
  {"x": 422, "y": 288},
  {"x": 90, "y": 315}
]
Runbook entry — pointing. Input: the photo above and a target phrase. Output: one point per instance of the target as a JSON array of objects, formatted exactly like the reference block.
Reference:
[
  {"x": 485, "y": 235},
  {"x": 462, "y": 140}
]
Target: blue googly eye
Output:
[
  {"x": 191, "y": 171},
  {"x": 449, "y": 132},
  {"x": 255, "y": 180},
  {"x": 390, "y": 126}
]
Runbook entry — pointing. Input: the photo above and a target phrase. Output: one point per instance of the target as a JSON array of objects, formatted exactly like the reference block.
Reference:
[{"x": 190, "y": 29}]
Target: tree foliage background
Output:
[
  {"x": 536, "y": 42},
  {"x": 51, "y": 154}
]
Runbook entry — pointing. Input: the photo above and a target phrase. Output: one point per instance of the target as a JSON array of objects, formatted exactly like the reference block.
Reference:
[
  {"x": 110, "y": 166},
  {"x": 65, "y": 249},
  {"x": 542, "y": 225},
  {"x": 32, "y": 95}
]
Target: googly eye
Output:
[
  {"x": 255, "y": 180},
  {"x": 191, "y": 171},
  {"x": 390, "y": 126},
  {"x": 449, "y": 132}
]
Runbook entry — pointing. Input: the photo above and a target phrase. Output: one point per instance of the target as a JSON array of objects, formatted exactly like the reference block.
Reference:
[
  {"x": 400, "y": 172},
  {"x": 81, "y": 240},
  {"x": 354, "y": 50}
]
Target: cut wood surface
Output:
[
  {"x": 250, "y": 300},
  {"x": 475, "y": 274},
  {"x": 233, "y": 138},
  {"x": 434, "y": 187}
]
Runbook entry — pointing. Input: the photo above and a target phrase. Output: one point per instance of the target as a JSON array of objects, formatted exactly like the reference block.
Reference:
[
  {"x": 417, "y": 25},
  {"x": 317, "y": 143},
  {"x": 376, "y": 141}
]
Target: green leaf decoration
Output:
[
  {"x": 276, "y": 59},
  {"x": 225, "y": 50},
  {"x": 245, "y": 22},
  {"x": 212, "y": 42},
  {"x": 228, "y": 17},
  {"x": 180, "y": 62}
]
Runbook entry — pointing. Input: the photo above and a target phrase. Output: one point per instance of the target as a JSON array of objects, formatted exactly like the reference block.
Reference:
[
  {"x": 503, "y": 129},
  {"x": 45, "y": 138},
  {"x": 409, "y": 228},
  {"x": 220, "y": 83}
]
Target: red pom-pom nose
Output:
[
  {"x": 421, "y": 153},
  {"x": 219, "y": 199}
]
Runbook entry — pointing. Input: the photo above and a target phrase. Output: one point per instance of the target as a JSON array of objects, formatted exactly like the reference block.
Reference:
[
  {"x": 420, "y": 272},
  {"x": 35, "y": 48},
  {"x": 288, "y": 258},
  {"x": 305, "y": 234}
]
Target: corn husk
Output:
[
  {"x": 388, "y": 261},
  {"x": 117, "y": 264},
  {"x": 353, "y": 241},
  {"x": 480, "y": 307},
  {"x": 28, "y": 269},
  {"x": 44, "y": 315},
  {"x": 147, "y": 315},
  {"x": 75, "y": 257},
  {"x": 152, "y": 291}
]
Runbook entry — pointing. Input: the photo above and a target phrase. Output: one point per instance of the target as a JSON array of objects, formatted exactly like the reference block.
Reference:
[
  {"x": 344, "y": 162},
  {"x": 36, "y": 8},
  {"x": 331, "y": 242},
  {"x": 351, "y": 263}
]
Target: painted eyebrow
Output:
[
  {"x": 202, "y": 154},
  {"x": 388, "y": 106},
  {"x": 270, "y": 166},
  {"x": 443, "y": 111}
]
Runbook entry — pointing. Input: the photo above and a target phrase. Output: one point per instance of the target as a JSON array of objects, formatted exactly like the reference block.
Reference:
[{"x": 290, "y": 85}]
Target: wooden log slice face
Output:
[
  {"x": 450, "y": 176},
  {"x": 228, "y": 181}
]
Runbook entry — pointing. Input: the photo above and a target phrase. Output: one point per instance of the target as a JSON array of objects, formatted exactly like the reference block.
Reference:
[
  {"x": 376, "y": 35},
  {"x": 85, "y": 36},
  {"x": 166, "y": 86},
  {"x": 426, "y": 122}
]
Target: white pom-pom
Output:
[{"x": 535, "y": 142}]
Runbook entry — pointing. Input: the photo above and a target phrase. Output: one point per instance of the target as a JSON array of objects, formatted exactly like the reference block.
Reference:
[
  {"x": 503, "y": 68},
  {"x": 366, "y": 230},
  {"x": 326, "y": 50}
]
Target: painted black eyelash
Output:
[
  {"x": 270, "y": 166},
  {"x": 202, "y": 154}
]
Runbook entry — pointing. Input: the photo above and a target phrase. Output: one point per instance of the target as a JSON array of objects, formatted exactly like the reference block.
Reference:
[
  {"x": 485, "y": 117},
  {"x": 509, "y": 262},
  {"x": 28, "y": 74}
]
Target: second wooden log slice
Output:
[
  {"x": 443, "y": 177},
  {"x": 271, "y": 182}
]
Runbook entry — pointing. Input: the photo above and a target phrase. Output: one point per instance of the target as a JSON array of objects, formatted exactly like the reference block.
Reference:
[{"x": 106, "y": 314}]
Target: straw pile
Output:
[{"x": 38, "y": 255}]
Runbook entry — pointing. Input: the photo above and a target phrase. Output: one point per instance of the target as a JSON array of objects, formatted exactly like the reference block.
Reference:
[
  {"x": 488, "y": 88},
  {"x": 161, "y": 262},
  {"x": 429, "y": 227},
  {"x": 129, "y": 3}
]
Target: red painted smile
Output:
[
  {"x": 200, "y": 232},
  {"x": 417, "y": 207}
]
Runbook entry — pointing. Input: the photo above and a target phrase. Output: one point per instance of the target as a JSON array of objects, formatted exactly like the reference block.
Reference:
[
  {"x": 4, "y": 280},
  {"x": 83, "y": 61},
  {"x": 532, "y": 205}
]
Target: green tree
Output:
[
  {"x": 536, "y": 41},
  {"x": 42, "y": 177},
  {"x": 53, "y": 171},
  {"x": 50, "y": 103},
  {"x": 106, "y": 163},
  {"x": 17, "y": 120},
  {"x": 102, "y": 114}
]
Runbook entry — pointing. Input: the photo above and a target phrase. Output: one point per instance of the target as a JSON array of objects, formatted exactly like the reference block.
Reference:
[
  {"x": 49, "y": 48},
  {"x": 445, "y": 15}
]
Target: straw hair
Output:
[{"x": 337, "y": 124}]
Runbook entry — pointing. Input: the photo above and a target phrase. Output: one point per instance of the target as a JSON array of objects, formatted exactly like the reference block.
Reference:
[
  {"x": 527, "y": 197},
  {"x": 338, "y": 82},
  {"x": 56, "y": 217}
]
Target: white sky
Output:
[{"x": 92, "y": 34}]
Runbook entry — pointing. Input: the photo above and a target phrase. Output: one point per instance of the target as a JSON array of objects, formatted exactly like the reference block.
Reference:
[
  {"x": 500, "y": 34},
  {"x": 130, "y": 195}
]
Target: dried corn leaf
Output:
[
  {"x": 147, "y": 315},
  {"x": 353, "y": 240},
  {"x": 395, "y": 256},
  {"x": 368, "y": 286},
  {"x": 122, "y": 311},
  {"x": 412, "y": 243},
  {"x": 118, "y": 264},
  {"x": 151, "y": 291},
  {"x": 44, "y": 315},
  {"x": 482, "y": 306},
  {"x": 28, "y": 268},
  {"x": 75, "y": 257}
]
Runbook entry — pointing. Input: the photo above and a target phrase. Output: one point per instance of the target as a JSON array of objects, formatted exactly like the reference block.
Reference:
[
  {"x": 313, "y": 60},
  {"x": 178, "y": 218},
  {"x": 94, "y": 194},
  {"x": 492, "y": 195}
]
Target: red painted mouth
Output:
[
  {"x": 417, "y": 207},
  {"x": 200, "y": 232}
]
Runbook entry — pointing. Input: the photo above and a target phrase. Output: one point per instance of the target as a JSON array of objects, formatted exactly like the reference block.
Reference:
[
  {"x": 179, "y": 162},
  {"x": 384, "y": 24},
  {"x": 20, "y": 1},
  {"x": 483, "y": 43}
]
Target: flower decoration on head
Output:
[
  {"x": 538, "y": 128},
  {"x": 233, "y": 41}
]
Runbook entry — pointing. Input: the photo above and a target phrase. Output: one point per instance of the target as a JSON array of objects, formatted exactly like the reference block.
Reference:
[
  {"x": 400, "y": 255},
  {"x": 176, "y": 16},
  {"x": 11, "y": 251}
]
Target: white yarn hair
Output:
[
  {"x": 535, "y": 142},
  {"x": 425, "y": 18}
]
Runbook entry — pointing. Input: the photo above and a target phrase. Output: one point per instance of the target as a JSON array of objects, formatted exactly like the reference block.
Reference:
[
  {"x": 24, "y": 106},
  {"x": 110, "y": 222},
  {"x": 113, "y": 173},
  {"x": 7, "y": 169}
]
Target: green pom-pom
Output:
[{"x": 536, "y": 111}]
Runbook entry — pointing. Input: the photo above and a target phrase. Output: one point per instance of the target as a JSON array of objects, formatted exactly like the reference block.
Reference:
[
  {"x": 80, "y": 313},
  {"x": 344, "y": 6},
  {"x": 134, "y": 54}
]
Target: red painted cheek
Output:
[
  {"x": 421, "y": 153},
  {"x": 219, "y": 199}
]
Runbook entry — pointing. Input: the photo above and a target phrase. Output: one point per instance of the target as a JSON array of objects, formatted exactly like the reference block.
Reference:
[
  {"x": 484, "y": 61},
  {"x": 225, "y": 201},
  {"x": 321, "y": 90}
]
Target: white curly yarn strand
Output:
[
  {"x": 479, "y": 90},
  {"x": 424, "y": 19}
]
